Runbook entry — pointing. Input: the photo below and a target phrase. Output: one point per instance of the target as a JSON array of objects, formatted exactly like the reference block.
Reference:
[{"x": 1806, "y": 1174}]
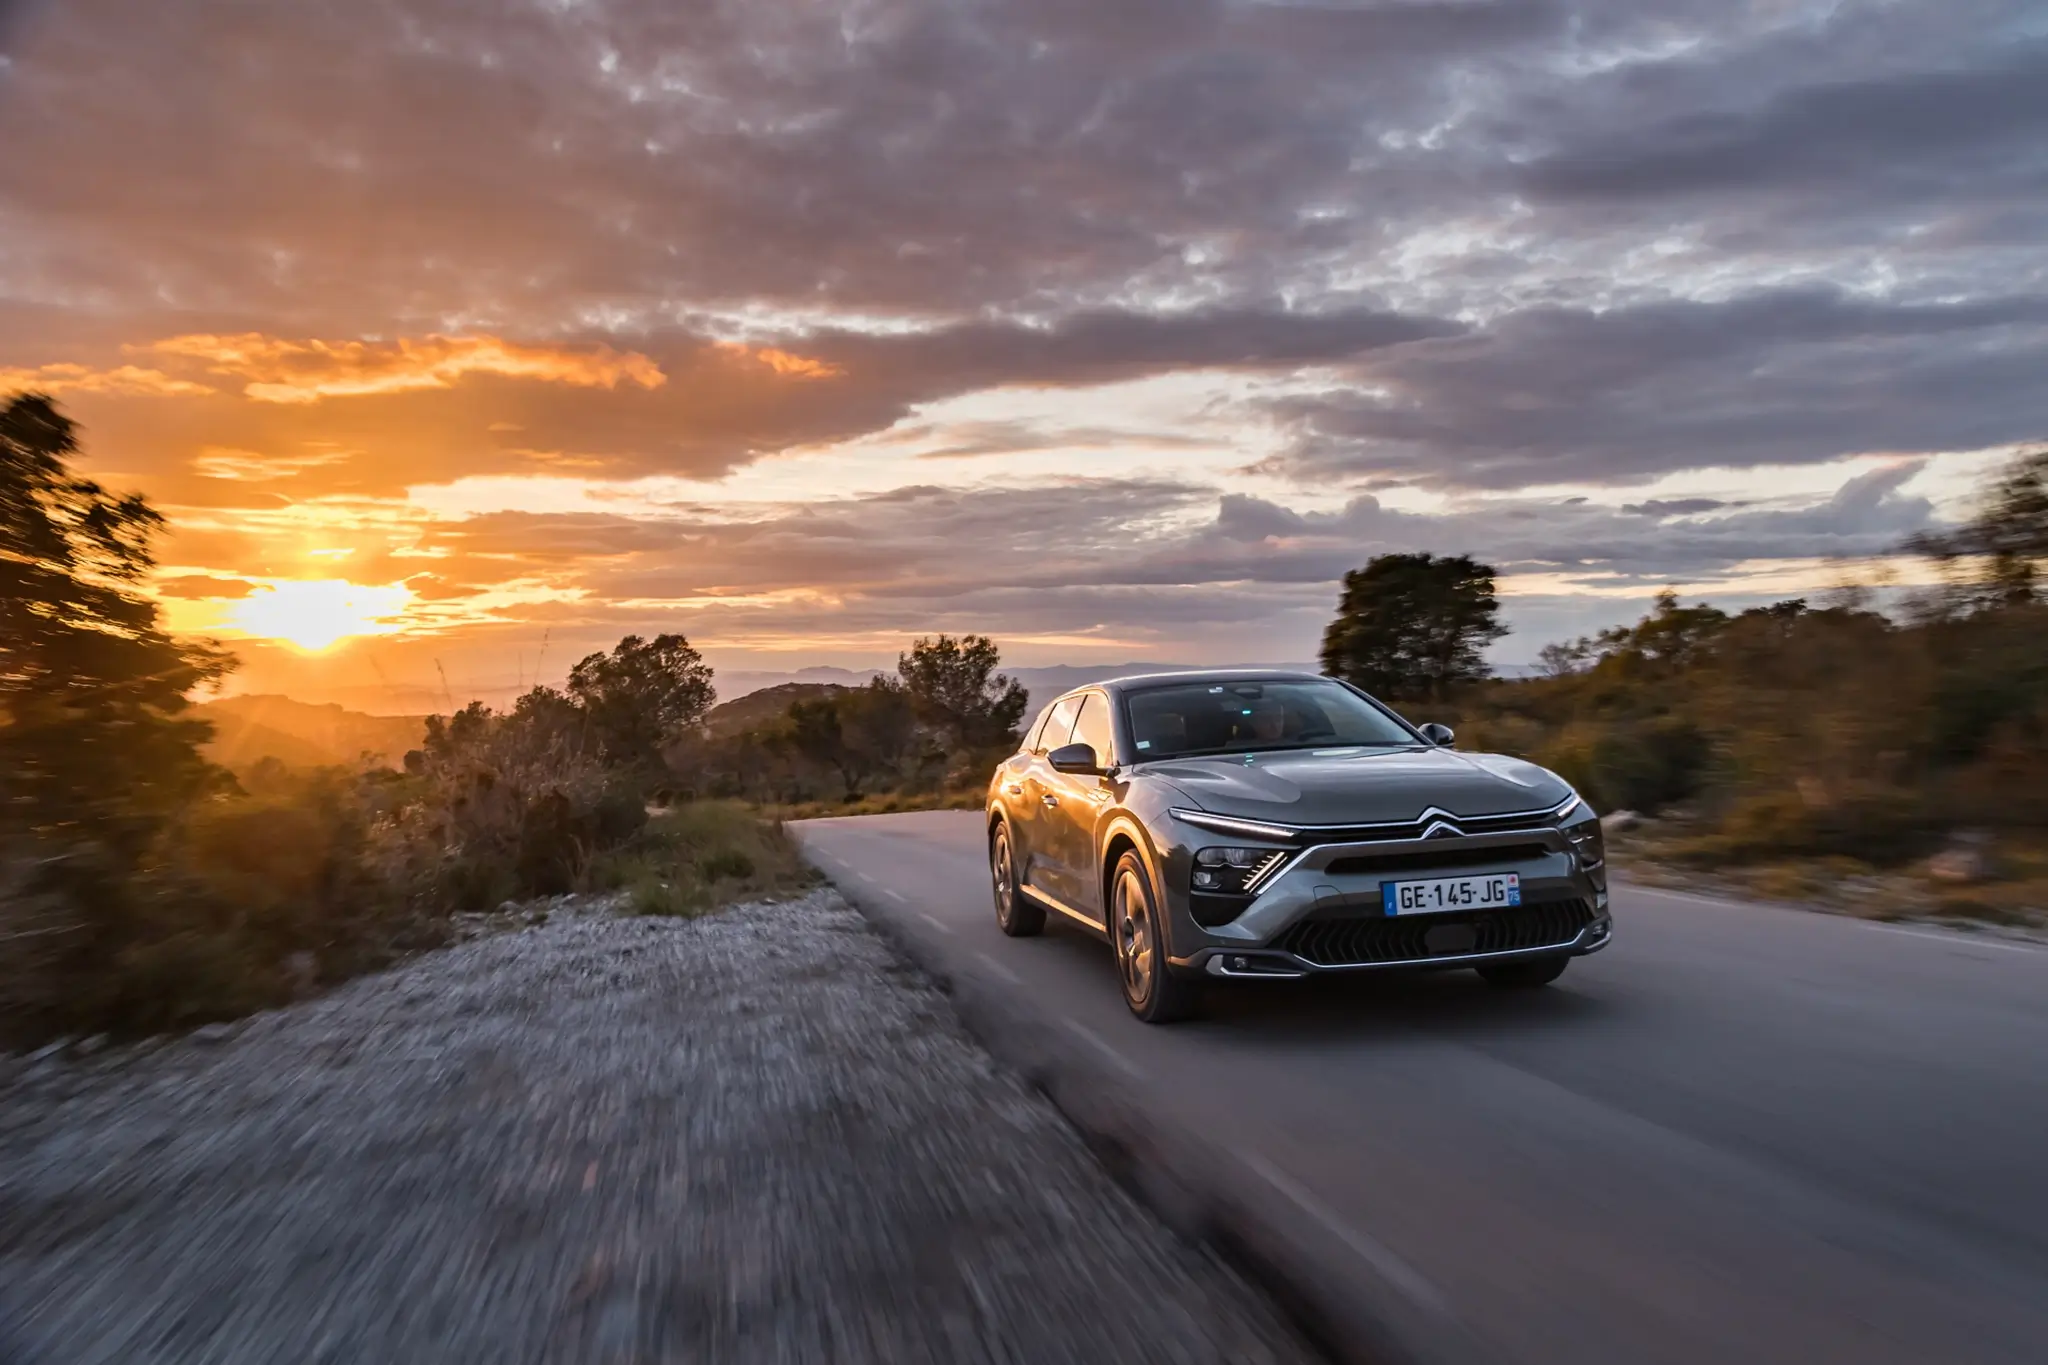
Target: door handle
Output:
[{"x": 1050, "y": 799}]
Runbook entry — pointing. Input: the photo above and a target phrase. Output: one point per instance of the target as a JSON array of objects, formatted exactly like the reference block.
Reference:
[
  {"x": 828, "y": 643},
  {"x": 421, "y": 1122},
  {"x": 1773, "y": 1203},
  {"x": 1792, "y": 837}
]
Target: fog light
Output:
[{"x": 1206, "y": 879}]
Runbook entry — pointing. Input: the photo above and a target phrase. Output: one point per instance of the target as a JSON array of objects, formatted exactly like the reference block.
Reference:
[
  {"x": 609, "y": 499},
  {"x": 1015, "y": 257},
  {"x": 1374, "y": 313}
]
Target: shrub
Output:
[{"x": 699, "y": 854}]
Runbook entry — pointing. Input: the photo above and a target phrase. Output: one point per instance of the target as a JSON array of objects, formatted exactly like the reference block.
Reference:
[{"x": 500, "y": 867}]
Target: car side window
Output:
[
  {"x": 1092, "y": 728},
  {"x": 1030, "y": 744},
  {"x": 1059, "y": 724}
]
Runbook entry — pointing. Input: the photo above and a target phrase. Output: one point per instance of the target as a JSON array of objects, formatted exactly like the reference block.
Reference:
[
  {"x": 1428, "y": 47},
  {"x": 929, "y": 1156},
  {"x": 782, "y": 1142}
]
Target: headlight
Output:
[
  {"x": 1233, "y": 871},
  {"x": 1589, "y": 841}
]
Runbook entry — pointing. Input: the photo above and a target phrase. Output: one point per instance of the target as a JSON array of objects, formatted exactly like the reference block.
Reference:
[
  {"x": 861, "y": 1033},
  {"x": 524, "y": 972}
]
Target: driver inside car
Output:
[{"x": 1268, "y": 721}]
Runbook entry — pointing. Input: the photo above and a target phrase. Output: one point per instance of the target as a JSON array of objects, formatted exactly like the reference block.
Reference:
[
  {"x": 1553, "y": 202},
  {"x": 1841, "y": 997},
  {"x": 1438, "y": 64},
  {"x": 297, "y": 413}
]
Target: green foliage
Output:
[
  {"x": 955, "y": 690},
  {"x": 97, "y": 743},
  {"x": 866, "y": 735},
  {"x": 699, "y": 855},
  {"x": 2006, "y": 542},
  {"x": 1789, "y": 731},
  {"x": 503, "y": 805},
  {"x": 635, "y": 701},
  {"x": 1413, "y": 627},
  {"x": 920, "y": 739}
]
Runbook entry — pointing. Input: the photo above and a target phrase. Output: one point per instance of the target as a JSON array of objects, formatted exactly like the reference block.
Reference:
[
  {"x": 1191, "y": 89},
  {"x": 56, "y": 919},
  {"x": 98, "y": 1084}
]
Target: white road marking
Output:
[
  {"x": 1000, "y": 970},
  {"x": 1956, "y": 938},
  {"x": 1389, "y": 1266},
  {"x": 1115, "y": 1058},
  {"x": 935, "y": 922}
]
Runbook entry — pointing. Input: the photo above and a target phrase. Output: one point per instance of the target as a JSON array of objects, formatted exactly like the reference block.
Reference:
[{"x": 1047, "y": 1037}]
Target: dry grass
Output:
[{"x": 694, "y": 857}]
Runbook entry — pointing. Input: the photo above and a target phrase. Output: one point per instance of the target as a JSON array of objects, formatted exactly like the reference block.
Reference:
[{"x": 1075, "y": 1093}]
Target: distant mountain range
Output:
[{"x": 247, "y": 730}]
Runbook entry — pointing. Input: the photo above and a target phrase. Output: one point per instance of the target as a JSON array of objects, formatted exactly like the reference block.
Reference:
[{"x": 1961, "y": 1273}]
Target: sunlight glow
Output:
[{"x": 315, "y": 614}]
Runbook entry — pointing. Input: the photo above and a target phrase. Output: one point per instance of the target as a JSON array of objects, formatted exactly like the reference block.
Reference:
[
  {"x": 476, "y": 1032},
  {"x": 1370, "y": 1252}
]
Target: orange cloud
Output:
[
  {"x": 281, "y": 371},
  {"x": 249, "y": 466},
  {"x": 126, "y": 381},
  {"x": 788, "y": 364},
  {"x": 201, "y": 587}
]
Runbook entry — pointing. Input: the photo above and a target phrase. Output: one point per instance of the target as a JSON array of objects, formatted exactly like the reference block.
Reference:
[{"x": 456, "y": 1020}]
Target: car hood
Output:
[{"x": 1361, "y": 786}]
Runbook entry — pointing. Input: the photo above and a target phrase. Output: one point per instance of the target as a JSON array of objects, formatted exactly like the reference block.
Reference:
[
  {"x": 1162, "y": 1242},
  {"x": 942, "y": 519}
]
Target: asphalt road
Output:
[{"x": 1740, "y": 1134}]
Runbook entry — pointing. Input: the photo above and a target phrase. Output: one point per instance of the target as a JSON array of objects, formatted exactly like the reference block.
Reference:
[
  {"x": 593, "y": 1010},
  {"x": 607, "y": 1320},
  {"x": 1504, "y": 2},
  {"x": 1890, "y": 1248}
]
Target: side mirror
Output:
[
  {"x": 1074, "y": 758},
  {"x": 1443, "y": 736}
]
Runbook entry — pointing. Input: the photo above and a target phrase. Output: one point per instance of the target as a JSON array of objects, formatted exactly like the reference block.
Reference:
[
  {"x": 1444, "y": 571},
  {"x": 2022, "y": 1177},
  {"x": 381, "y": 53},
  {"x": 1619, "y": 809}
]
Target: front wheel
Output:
[
  {"x": 1525, "y": 974},
  {"x": 1015, "y": 914},
  {"x": 1137, "y": 934}
]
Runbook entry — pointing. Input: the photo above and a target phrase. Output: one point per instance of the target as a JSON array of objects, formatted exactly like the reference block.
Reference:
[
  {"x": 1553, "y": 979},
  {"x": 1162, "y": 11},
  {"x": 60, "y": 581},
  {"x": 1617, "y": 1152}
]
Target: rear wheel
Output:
[
  {"x": 1015, "y": 915},
  {"x": 1137, "y": 934},
  {"x": 1526, "y": 974}
]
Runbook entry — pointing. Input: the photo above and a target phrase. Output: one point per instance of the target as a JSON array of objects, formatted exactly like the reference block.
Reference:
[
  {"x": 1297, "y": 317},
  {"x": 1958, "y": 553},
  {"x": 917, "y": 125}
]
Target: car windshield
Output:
[{"x": 1183, "y": 719}]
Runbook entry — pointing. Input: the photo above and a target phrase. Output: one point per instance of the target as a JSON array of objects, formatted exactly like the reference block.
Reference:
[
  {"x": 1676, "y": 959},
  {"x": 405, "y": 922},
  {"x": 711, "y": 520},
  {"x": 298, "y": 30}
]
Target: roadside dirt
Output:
[{"x": 758, "y": 1136}]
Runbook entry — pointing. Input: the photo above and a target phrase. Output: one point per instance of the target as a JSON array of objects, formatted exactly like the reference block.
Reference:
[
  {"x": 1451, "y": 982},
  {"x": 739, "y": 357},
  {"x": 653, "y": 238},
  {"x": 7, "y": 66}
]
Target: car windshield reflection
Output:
[{"x": 1206, "y": 719}]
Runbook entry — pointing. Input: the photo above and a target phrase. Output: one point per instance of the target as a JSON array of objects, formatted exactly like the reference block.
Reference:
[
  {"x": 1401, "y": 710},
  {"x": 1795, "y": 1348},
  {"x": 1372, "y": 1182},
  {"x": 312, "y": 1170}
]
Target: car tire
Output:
[
  {"x": 1137, "y": 935},
  {"x": 1526, "y": 974},
  {"x": 1016, "y": 914}
]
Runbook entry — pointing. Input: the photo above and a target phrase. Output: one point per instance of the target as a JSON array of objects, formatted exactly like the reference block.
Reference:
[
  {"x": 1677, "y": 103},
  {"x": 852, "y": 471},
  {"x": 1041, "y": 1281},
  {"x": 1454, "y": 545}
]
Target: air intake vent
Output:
[{"x": 1370, "y": 941}]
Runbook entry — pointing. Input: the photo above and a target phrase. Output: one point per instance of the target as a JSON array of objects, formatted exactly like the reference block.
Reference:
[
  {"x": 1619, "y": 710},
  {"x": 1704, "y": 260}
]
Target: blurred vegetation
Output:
[
  {"x": 144, "y": 888},
  {"x": 1796, "y": 731},
  {"x": 927, "y": 737}
]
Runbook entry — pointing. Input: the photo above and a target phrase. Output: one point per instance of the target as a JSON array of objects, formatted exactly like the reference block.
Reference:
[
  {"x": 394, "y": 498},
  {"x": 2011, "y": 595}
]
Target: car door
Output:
[
  {"x": 1010, "y": 778},
  {"x": 1076, "y": 808},
  {"x": 1036, "y": 831}
]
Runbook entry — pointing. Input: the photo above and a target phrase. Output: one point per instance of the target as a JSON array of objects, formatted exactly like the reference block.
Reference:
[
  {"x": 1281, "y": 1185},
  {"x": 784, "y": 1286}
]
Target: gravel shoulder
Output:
[{"x": 757, "y": 1136}]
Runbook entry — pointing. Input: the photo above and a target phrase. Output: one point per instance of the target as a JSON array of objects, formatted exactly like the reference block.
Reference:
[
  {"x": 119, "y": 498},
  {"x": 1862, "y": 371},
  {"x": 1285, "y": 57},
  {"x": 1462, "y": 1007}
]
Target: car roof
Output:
[{"x": 1134, "y": 681}]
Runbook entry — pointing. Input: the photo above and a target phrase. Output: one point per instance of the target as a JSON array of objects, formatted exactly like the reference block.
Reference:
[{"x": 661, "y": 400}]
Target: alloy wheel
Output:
[
  {"x": 1001, "y": 876},
  {"x": 1135, "y": 940}
]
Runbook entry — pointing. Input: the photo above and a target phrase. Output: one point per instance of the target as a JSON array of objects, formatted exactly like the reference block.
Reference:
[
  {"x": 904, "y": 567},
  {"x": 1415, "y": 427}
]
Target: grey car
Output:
[{"x": 1271, "y": 825}]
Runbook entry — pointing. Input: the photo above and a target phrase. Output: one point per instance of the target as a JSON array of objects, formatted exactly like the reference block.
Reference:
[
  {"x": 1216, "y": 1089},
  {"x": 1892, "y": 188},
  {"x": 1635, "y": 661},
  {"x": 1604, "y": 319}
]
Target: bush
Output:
[
  {"x": 699, "y": 854},
  {"x": 241, "y": 905}
]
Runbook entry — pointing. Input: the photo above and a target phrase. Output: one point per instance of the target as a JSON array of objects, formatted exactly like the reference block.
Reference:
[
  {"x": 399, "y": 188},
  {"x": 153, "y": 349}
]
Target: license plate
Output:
[{"x": 1439, "y": 894}]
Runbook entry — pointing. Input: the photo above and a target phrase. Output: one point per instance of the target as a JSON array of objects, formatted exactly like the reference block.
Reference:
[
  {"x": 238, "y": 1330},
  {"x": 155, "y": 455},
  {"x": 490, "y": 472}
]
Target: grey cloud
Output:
[
  {"x": 1672, "y": 507},
  {"x": 1131, "y": 555},
  {"x": 1791, "y": 376},
  {"x": 1892, "y": 128}
]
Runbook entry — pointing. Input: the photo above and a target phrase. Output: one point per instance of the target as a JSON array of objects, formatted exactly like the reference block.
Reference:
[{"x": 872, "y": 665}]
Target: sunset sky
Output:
[{"x": 1115, "y": 329}]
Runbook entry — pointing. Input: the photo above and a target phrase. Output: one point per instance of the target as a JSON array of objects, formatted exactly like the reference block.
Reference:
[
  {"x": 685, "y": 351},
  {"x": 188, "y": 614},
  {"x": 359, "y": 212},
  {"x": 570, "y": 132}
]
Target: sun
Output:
[{"x": 315, "y": 614}]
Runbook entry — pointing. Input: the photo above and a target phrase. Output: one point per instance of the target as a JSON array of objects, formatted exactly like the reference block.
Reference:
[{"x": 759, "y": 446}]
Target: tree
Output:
[
  {"x": 954, "y": 688},
  {"x": 861, "y": 734},
  {"x": 642, "y": 697},
  {"x": 2007, "y": 538},
  {"x": 1412, "y": 627},
  {"x": 96, "y": 740}
]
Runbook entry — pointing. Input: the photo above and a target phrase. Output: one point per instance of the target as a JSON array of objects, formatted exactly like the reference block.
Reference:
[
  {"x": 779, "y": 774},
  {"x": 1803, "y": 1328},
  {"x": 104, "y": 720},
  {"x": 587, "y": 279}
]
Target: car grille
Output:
[
  {"x": 1481, "y": 856},
  {"x": 1522, "y": 822},
  {"x": 1371, "y": 940}
]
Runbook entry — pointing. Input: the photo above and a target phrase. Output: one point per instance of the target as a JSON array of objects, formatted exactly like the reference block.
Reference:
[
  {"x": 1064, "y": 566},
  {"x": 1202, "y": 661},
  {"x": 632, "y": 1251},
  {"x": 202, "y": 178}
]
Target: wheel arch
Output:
[{"x": 1125, "y": 833}]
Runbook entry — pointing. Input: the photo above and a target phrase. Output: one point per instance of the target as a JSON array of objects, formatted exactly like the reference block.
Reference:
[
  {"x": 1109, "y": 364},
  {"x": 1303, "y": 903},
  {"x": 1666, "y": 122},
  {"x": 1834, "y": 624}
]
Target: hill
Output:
[
  {"x": 759, "y": 707},
  {"x": 303, "y": 735}
]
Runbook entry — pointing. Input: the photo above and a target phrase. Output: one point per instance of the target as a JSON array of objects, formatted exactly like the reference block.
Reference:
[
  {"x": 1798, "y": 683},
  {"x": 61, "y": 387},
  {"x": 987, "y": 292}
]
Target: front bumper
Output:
[
  {"x": 1278, "y": 964},
  {"x": 1322, "y": 911}
]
